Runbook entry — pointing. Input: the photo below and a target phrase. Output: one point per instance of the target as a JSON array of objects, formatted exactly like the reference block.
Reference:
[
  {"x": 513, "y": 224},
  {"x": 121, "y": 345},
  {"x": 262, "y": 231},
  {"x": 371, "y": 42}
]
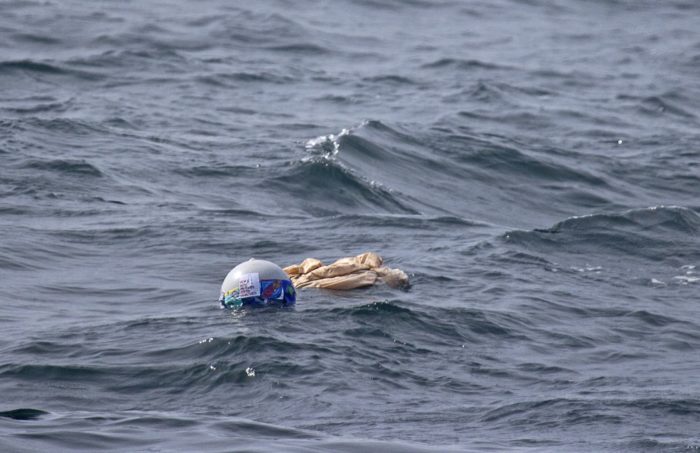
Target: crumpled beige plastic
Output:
[{"x": 346, "y": 273}]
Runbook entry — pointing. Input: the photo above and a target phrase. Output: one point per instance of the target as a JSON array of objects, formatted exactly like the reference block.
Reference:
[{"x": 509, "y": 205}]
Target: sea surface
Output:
[{"x": 534, "y": 166}]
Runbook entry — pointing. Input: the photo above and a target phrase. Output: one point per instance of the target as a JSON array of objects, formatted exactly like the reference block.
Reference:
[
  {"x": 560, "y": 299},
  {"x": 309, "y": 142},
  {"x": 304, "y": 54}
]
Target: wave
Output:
[
  {"x": 30, "y": 66},
  {"x": 464, "y": 65},
  {"x": 391, "y": 160},
  {"x": 326, "y": 186},
  {"x": 388, "y": 319},
  {"x": 20, "y": 67},
  {"x": 397, "y": 5},
  {"x": 390, "y": 79},
  {"x": 65, "y": 167},
  {"x": 33, "y": 105},
  {"x": 405, "y": 221},
  {"x": 23, "y": 414},
  {"x": 61, "y": 127},
  {"x": 662, "y": 240},
  {"x": 570, "y": 412},
  {"x": 120, "y": 57},
  {"x": 300, "y": 49},
  {"x": 234, "y": 79},
  {"x": 110, "y": 234},
  {"x": 672, "y": 102},
  {"x": 496, "y": 160},
  {"x": 670, "y": 218},
  {"x": 441, "y": 171},
  {"x": 214, "y": 170},
  {"x": 142, "y": 430}
]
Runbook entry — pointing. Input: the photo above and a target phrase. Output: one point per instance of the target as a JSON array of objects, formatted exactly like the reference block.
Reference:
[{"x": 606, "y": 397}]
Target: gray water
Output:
[{"x": 533, "y": 166}]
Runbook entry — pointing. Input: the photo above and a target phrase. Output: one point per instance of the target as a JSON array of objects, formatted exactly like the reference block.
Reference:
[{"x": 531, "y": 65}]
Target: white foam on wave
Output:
[
  {"x": 588, "y": 268},
  {"x": 690, "y": 275},
  {"x": 656, "y": 282},
  {"x": 328, "y": 145}
]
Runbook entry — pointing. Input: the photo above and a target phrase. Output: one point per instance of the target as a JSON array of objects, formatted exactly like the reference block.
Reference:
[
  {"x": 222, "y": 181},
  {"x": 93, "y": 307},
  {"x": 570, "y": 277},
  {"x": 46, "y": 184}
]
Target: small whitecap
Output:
[
  {"x": 327, "y": 143},
  {"x": 684, "y": 279},
  {"x": 250, "y": 372},
  {"x": 588, "y": 268},
  {"x": 314, "y": 142}
]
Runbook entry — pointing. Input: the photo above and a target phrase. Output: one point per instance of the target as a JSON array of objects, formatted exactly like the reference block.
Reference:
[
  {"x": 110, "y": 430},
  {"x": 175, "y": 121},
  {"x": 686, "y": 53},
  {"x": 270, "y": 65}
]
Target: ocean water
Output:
[{"x": 534, "y": 166}]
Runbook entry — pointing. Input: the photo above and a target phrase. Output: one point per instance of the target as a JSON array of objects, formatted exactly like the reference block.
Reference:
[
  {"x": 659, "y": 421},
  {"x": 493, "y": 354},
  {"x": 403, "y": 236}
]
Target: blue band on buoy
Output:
[{"x": 270, "y": 292}]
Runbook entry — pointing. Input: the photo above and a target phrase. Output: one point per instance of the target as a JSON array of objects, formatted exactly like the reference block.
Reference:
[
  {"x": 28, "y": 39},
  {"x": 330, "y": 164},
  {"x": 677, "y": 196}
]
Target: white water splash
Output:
[{"x": 327, "y": 145}]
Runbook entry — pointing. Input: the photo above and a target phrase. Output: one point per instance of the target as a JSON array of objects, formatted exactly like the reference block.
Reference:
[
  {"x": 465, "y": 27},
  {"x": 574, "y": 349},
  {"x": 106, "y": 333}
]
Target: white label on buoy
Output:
[{"x": 249, "y": 285}]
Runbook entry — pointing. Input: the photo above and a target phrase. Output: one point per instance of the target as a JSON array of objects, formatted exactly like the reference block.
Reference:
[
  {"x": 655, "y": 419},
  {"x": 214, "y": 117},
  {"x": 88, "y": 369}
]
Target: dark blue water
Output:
[{"x": 533, "y": 166}]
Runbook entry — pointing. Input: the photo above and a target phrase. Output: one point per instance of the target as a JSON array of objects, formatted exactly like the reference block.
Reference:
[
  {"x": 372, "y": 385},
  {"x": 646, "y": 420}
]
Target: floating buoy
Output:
[{"x": 256, "y": 282}]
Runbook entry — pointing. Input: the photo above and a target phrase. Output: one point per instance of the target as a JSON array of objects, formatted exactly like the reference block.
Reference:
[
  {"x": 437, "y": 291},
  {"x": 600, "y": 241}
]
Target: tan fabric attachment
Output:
[{"x": 346, "y": 273}]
